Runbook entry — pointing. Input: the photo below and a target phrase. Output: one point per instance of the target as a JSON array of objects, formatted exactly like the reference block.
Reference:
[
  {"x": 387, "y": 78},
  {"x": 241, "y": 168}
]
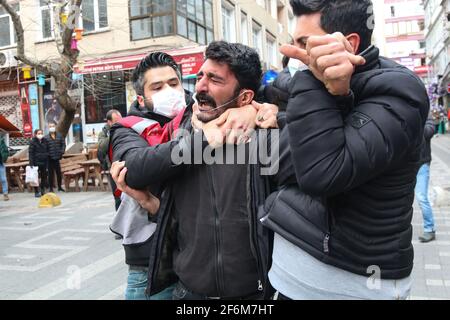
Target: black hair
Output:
[
  {"x": 285, "y": 61},
  {"x": 345, "y": 16},
  {"x": 36, "y": 131},
  {"x": 153, "y": 60},
  {"x": 242, "y": 60},
  {"x": 110, "y": 113}
]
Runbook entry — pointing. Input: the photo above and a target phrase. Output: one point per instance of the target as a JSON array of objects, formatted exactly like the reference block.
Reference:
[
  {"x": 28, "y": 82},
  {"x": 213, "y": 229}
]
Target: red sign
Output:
[
  {"x": 421, "y": 69},
  {"x": 25, "y": 108},
  {"x": 190, "y": 64}
]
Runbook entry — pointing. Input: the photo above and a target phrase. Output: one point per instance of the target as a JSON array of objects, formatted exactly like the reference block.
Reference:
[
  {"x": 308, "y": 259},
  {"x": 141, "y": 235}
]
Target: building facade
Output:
[
  {"x": 403, "y": 26},
  {"x": 116, "y": 35},
  {"x": 437, "y": 23}
]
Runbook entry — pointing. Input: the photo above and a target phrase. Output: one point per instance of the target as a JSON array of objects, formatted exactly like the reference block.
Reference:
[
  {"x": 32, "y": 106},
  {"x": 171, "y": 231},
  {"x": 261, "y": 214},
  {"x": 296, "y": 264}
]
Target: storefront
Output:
[{"x": 107, "y": 85}]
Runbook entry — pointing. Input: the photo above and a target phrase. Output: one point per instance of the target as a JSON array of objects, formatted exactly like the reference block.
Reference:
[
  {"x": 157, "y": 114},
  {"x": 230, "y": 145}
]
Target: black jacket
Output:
[
  {"x": 276, "y": 92},
  {"x": 428, "y": 133},
  {"x": 38, "y": 152},
  {"x": 56, "y": 147},
  {"x": 153, "y": 165},
  {"x": 355, "y": 161},
  {"x": 135, "y": 254}
]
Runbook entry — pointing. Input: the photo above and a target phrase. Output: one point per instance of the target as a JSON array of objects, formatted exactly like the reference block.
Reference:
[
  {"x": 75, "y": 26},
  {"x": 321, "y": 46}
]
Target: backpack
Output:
[{"x": 4, "y": 153}]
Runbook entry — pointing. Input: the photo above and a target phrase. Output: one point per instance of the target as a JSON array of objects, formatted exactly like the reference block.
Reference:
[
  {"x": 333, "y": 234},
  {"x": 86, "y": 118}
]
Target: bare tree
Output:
[{"x": 62, "y": 68}]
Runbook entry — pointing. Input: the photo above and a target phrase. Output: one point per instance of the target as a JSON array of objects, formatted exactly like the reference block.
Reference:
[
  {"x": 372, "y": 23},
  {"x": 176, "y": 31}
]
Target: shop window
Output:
[{"x": 103, "y": 92}]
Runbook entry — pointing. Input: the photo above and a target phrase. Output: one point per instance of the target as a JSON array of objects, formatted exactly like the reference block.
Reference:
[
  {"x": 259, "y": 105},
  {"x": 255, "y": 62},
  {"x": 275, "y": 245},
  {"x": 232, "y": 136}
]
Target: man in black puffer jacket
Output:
[
  {"x": 354, "y": 130},
  {"x": 56, "y": 149}
]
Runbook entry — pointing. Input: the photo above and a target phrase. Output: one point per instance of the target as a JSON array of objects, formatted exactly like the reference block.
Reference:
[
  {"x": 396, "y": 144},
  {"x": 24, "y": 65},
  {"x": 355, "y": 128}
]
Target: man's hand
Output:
[
  {"x": 145, "y": 199},
  {"x": 237, "y": 124},
  {"x": 211, "y": 130},
  {"x": 330, "y": 58},
  {"x": 234, "y": 126},
  {"x": 266, "y": 117}
]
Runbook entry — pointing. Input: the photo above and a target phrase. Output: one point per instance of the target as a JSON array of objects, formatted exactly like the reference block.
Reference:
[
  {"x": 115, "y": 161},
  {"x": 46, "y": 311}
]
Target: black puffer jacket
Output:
[
  {"x": 38, "y": 152},
  {"x": 56, "y": 147},
  {"x": 355, "y": 161},
  {"x": 276, "y": 92}
]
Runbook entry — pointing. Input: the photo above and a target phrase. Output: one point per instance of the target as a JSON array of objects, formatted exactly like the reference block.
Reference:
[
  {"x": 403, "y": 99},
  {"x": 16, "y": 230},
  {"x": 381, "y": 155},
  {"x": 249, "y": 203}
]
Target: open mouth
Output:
[{"x": 205, "y": 102}]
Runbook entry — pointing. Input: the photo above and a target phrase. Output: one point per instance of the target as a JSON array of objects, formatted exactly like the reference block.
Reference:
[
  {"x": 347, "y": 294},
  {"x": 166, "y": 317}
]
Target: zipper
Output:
[
  {"x": 260, "y": 286},
  {"x": 254, "y": 236},
  {"x": 219, "y": 261},
  {"x": 159, "y": 238}
]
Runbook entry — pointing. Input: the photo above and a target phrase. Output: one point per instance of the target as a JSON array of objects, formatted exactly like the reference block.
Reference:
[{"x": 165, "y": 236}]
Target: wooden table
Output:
[
  {"x": 96, "y": 173},
  {"x": 70, "y": 155},
  {"x": 13, "y": 172}
]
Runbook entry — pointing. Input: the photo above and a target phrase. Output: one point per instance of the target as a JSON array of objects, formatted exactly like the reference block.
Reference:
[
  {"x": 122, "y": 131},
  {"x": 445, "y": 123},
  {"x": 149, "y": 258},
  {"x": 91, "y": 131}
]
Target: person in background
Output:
[
  {"x": 423, "y": 179},
  {"x": 38, "y": 155},
  {"x": 3, "y": 157},
  {"x": 113, "y": 116},
  {"x": 56, "y": 149}
]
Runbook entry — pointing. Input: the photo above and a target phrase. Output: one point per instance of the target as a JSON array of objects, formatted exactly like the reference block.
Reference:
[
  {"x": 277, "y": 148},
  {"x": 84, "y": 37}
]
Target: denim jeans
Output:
[
  {"x": 137, "y": 283},
  {"x": 423, "y": 177},
  {"x": 3, "y": 178}
]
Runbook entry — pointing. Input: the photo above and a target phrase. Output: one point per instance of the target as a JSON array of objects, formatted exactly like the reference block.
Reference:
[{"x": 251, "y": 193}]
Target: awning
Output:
[
  {"x": 10, "y": 128},
  {"x": 190, "y": 59}
]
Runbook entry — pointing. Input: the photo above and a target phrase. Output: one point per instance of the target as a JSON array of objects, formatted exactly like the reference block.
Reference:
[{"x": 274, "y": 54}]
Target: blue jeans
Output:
[
  {"x": 137, "y": 283},
  {"x": 423, "y": 177},
  {"x": 3, "y": 178}
]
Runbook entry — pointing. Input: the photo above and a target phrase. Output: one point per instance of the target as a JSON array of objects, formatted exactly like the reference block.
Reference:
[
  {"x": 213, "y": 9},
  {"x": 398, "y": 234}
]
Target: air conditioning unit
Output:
[{"x": 7, "y": 59}]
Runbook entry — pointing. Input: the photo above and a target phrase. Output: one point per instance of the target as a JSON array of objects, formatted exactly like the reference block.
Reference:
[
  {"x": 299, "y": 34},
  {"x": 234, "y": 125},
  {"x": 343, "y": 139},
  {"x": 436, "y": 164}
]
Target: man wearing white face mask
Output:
[
  {"x": 154, "y": 116},
  {"x": 56, "y": 149}
]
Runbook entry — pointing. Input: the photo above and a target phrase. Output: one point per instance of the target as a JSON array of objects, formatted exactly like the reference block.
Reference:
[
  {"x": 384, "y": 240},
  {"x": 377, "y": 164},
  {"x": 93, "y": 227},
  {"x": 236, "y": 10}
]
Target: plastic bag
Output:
[{"x": 32, "y": 176}]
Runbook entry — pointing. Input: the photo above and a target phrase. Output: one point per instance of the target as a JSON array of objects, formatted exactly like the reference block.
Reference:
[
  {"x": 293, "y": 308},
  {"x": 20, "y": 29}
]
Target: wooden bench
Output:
[
  {"x": 72, "y": 170},
  {"x": 75, "y": 174}
]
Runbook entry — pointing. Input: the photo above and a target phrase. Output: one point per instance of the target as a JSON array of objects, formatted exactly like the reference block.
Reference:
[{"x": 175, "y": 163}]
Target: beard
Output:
[
  {"x": 207, "y": 107},
  {"x": 148, "y": 105}
]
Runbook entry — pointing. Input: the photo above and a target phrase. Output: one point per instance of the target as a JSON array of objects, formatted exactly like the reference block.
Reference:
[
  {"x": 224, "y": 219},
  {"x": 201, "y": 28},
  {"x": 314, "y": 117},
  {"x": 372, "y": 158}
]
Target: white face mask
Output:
[
  {"x": 168, "y": 102},
  {"x": 40, "y": 136},
  {"x": 52, "y": 129},
  {"x": 295, "y": 65}
]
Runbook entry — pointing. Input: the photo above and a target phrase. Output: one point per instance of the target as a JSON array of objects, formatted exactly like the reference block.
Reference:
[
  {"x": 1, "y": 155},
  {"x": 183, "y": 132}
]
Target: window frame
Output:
[
  {"x": 12, "y": 30},
  {"x": 49, "y": 6},
  {"x": 270, "y": 38},
  {"x": 150, "y": 16},
  {"x": 244, "y": 16},
  {"x": 197, "y": 24},
  {"x": 259, "y": 27},
  {"x": 229, "y": 7}
]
